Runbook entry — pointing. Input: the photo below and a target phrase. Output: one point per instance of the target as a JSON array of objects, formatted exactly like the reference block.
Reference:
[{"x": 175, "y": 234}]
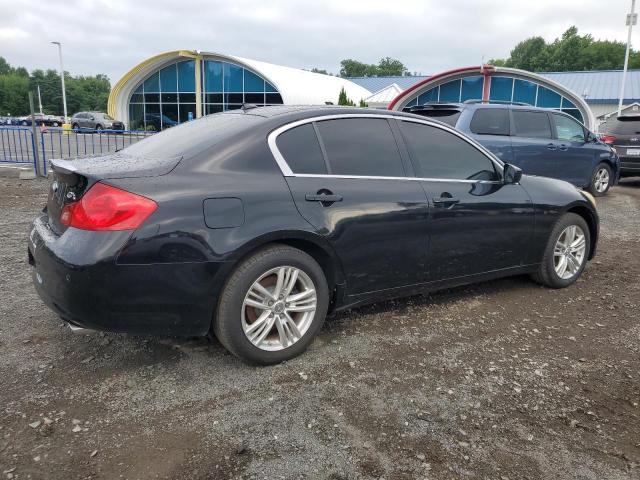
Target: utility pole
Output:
[
  {"x": 64, "y": 95},
  {"x": 39, "y": 100},
  {"x": 34, "y": 139},
  {"x": 632, "y": 19}
]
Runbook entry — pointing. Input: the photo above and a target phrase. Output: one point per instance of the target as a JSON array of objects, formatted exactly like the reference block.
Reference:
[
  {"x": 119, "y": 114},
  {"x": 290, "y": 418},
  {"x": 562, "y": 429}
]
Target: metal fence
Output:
[{"x": 18, "y": 144}]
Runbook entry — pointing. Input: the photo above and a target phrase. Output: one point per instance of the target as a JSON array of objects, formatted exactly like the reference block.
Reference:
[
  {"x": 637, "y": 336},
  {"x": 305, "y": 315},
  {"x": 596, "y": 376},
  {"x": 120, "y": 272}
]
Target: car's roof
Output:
[
  {"x": 476, "y": 105},
  {"x": 288, "y": 113}
]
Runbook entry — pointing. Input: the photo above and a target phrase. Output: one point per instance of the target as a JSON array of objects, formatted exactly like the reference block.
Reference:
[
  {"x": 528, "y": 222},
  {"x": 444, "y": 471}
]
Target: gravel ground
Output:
[{"x": 501, "y": 380}]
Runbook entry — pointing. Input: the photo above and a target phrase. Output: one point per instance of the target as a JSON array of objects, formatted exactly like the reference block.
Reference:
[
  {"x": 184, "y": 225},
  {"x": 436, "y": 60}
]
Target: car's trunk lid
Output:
[{"x": 72, "y": 178}]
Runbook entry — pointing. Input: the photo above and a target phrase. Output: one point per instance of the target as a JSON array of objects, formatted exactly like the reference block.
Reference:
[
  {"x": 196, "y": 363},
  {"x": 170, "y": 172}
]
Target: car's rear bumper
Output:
[{"x": 86, "y": 287}]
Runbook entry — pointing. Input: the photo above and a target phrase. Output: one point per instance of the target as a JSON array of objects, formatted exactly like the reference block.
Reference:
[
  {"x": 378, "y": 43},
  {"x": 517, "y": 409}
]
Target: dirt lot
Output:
[{"x": 503, "y": 380}]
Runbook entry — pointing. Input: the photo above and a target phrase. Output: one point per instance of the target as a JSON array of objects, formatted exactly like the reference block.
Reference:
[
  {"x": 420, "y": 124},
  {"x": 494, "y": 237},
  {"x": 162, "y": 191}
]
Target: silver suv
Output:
[{"x": 95, "y": 121}]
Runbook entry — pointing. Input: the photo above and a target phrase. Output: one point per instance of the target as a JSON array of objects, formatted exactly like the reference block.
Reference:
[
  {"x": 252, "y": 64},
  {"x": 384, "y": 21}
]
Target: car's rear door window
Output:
[
  {"x": 490, "y": 121},
  {"x": 300, "y": 148},
  {"x": 531, "y": 124},
  {"x": 439, "y": 154},
  {"x": 361, "y": 146},
  {"x": 568, "y": 129}
]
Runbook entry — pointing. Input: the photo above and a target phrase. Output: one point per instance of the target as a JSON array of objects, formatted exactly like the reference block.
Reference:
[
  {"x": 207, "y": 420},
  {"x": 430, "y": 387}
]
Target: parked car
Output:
[
  {"x": 623, "y": 134},
  {"x": 94, "y": 121},
  {"x": 154, "y": 120},
  {"x": 255, "y": 223},
  {"x": 40, "y": 119},
  {"x": 540, "y": 141}
]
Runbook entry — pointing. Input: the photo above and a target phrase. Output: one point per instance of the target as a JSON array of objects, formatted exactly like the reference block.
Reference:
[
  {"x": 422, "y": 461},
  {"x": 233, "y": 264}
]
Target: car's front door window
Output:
[
  {"x": 568, "y": 129},
  {"x": 438, "y": 153}
]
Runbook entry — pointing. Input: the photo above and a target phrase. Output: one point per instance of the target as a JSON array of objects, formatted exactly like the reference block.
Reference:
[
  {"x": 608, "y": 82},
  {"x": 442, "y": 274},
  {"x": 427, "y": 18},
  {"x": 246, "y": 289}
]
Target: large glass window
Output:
[
  {"x": 450, "y": 91},
  {"x": 301, "y": 150},
  {"x": 167, "y": 97},
  {"x": 531, "y": 124},
  {"x": 361, "y": 146},
  {"x": 471, "y": 88},
  {"x": 437, "y": 153},
  {"x": 524, "y": 91},
  {"x": 503, "y": 89},
  {"x": 548, "y": 98}
]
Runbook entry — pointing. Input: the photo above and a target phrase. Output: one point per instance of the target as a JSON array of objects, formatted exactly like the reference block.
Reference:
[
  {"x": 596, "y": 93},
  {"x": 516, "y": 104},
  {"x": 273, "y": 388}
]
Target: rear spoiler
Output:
[{"x": 116, "y": 165}]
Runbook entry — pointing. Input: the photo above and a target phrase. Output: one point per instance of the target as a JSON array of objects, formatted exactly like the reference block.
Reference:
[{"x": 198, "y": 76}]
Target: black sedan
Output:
[{"x": 254, "y": 224}]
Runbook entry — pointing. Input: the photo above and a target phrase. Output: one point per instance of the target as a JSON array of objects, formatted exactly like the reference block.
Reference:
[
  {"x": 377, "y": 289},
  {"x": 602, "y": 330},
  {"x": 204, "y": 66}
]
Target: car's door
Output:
[
  {"x": 348, "y": 180},
  {"x": 478, "y": 224},
  {"x": 574, "y": 156},
  {"x": 532, "y": 143},
  {"x": 82, "y": 120}
]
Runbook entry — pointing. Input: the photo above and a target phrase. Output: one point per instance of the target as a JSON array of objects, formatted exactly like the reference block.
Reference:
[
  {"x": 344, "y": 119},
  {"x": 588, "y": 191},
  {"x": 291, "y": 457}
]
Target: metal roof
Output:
[
  {"x": 385, "y": 95},
  {"x": 601, "y": 86},
  {"x": 375, "y": 84}
]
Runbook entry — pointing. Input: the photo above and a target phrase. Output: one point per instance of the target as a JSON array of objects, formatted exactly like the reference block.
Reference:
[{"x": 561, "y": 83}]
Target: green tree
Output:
[
  {"x": 571, "y": 51},
  {"x": 83, "y": 92},
  {"x": 390, "y": 67},
  {"x": 14, "y": 96},
  {"x": 354, "y": 68},
  {"x": 344, "y": 100},
  {"x": 387, "y": 66}
]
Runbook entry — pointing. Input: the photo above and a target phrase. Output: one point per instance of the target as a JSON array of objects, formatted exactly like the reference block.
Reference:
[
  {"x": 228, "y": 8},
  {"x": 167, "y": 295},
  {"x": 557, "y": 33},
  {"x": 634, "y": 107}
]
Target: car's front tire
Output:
[
  {"x": 566, "y": 252},
  {"x": 272, "y": 305},
  {"x": 601, "y": 180}
]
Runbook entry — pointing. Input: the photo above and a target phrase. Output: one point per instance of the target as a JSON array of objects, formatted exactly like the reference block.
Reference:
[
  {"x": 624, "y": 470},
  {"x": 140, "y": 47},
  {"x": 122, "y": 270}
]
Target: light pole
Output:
[
  {"x": 64, "y": 95},
  {"x": 632, "y": 19}
]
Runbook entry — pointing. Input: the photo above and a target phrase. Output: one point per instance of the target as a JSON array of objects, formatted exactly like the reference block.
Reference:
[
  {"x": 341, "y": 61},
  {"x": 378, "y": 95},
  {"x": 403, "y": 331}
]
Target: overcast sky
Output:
[{"x": 111, "y": 36}]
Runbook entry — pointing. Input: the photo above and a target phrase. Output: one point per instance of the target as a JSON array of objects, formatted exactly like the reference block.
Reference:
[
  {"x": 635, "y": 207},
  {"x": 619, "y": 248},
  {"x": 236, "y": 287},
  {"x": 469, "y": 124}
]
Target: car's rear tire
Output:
[
  {"x": 601, "y": 180},
  {"x": 566, "y": 253},
  {"x": 272, "y": 305}
]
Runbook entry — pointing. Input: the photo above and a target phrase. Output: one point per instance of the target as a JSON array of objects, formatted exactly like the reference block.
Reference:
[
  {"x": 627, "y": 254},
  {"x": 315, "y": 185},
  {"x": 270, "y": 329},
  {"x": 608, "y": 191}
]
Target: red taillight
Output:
[
  {"x": 609, "y": 139},
  {"x": 104, "y": 207}
]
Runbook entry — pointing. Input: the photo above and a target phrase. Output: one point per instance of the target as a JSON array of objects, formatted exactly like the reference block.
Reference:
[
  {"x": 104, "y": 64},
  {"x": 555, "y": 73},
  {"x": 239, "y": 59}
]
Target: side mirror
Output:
[
  {"x": 511, "y": 174},
  {"x": 92, "y": 118}
]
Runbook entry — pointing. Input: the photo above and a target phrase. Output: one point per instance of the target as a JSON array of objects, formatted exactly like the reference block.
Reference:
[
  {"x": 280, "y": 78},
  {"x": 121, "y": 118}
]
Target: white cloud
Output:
[
  {"x": 110, "y": 36},
  {"x": 7, "y": 33}
]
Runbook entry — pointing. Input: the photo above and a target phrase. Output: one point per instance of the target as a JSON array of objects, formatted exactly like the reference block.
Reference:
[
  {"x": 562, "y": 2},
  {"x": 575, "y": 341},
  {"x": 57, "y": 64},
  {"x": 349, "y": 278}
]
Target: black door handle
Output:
[
  {"x": 323, "y": 197},
  {"x": 563, "y": 147},
  {"x": 445, "y": 201},
  {"x": 551, "y": 146}
]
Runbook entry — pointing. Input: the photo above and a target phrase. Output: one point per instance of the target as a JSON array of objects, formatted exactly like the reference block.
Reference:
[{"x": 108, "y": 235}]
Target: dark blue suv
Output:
[{"x": 541, "y": 142}]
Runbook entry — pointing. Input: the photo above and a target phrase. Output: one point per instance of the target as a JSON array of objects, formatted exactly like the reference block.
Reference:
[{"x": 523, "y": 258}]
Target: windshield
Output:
[
  {"x": 107, "y": 117},
  {"x": 192, "y": 137}
]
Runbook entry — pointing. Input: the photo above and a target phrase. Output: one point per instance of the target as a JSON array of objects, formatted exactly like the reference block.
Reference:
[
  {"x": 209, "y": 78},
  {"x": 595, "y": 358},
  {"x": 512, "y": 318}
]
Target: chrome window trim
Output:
[{"x": 287, "y": 172}]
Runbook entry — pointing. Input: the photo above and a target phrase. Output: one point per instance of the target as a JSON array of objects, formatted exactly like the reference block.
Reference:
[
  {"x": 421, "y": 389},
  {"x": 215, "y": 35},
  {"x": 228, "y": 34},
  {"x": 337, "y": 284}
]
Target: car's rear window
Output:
[
  {"x": 192, "y": 137},
  {"x": 621, "y": 126},
  {"x": 450, "y": 117}
]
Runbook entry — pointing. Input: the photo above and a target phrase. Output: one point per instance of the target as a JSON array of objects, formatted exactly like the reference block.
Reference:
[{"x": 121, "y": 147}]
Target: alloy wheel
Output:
[
  {"x": 279, "y": 308},
  {"x": 601, "y": 180},
  {"x": 569, "y": 252}
]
